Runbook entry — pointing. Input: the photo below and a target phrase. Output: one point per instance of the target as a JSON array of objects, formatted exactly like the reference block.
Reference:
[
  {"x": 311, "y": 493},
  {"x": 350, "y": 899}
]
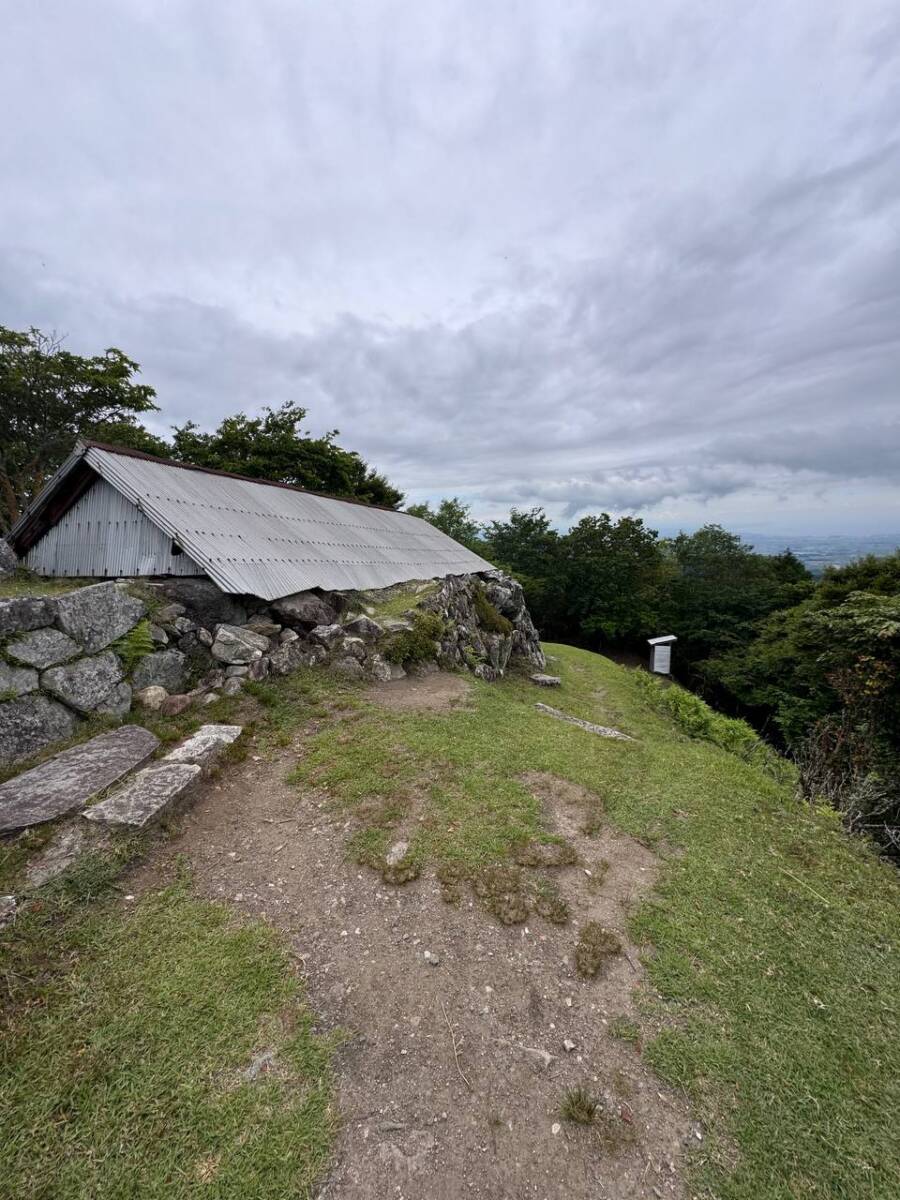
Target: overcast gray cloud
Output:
[{"x": 635, "y": 256}]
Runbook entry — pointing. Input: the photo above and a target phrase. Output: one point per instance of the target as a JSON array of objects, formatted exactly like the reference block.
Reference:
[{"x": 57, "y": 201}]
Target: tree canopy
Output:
[
  {"x": 274, "y": 446},
  {"x": 48, "y": 398}
]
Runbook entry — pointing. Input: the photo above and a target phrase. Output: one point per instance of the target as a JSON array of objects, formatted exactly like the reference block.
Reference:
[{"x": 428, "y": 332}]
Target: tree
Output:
[
  {"x": 453, "y": 518},
  {"x": 48, "y": 399},
  {"x": 612, "y": 575},
  {"x": 273, "y": 446},
  {"x": 719, "y": 589},
  {"x": 528, "y": 547}
]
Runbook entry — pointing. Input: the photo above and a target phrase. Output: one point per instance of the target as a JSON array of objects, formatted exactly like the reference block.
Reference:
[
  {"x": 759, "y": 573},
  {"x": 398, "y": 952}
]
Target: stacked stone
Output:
[
  {"x": 57, "y": 665},
  {"x": 58, "y": 662}
]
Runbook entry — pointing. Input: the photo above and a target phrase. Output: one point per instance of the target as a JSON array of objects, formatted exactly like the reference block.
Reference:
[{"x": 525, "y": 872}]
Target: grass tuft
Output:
[
  {"x": 579, "y": 1106},
  {"x": 596, "y": 946}
]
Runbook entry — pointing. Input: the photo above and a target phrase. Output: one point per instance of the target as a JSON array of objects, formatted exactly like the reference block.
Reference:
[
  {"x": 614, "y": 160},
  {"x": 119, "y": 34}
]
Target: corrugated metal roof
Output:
[{"x": 269, "y": 540}]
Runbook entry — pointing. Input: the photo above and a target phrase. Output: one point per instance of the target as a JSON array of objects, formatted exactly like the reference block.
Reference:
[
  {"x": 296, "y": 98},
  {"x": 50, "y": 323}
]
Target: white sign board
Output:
[{"x": 662, "y": 660}]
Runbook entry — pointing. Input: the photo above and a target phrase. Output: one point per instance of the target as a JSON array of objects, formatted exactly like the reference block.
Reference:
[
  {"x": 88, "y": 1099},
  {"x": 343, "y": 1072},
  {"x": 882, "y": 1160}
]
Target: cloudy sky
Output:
[{"x": 640, "y": 256}]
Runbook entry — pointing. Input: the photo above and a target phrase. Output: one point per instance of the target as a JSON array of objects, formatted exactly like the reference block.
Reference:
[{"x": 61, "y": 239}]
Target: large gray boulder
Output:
[
  {"x": 237, "y": 644},
  {"x": 206, "y": 603},
  {"x": 305, "y": 609},
  {"x": 162, "y": 668},
  {"x": 21, "y": 613},
  {"x": 31, "y": 723},
  {"x": 97, "y": 615},
  {"x": 84, "y": 684},
  {"x": 8, "y": 560},
  {"x": 43, "y": 648},
  {"x": 117, "y": 703},
  {"x": 16, "y": 681},
  {"x": 326, "y": 635},
  {"x": 364, "y": 627}
]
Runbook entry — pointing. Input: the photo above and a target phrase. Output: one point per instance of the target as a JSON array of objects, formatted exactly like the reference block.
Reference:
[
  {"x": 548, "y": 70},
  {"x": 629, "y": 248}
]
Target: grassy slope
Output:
[
  {"x": 775, "y": 935},
  {"x": 775, "y": 957}
]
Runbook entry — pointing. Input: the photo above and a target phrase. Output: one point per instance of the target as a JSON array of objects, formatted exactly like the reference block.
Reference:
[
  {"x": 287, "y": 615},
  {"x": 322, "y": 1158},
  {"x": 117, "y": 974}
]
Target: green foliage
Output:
[
  {"x": 612, "y": 576},
  {"x": 488, "y": 616},
  {"x": 695, "y": 717},
  {"x": 134, "y": 645},
  {"x": 274, "y": 446},
  {"x": 717, "y": 589},
  {"x": 416, "y": 644},
  {"x": 48, "y": 398},
  {"x": 453, "y": 518}
]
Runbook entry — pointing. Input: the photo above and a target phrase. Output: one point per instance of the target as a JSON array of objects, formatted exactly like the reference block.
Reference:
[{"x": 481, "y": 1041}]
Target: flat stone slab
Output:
[
  {"x": 146, "y": 796},
  {"x": 72, "y": 778},
  {"x": 204, "y": 746},
  {"x": 600, "y": 730},
  {"x": 545, "y": 680}
]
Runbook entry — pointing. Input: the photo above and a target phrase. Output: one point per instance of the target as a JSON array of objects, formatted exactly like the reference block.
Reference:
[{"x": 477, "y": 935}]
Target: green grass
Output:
[
  {"x": 775, "y": 961},
  {"x": 22, "y": 582},
  {"x": 125, "y": 1039},
  {"x": 395, "y": 602},
  {"x": 774, "y": 967}
]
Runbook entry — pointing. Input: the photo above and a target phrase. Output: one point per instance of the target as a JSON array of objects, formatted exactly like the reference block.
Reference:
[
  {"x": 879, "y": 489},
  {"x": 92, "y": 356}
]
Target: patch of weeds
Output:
[
  {"x": 500, "y": 890},
  {"x": 416, "y": 644},
  {"x": 614, "y": 1132},
  {"x": 7, "y": 694},
  {"x": 370, "y": 848},
  {"x": 598, "y": 872},
  {"x": 15, "y": 852},
  {"x": 592, "y": 823},
  {"x": 626, "y": 1030},
  {"x": 22, "y": 582},
  {"x": 549, "y": 904},
  {"x": 596, "y": 945},
  {"x": 403, "y": 871},
  {"x": 579, "y": 1106},
  {"x": 557, "y": 853},
  {"x": 451, "y": 876},
  {"x": 488, "y": 616},
  {"x": 134, "y": 645}
]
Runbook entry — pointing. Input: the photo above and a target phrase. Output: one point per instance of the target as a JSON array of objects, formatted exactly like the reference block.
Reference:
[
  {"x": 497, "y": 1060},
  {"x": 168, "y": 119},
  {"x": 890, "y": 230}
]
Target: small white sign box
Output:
[{"x": 661, "y": 653}]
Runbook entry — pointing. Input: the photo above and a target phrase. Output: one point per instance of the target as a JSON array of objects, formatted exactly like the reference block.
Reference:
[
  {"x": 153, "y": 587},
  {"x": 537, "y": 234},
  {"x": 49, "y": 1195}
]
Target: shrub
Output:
[
  {"x": 488, "y": 616},
  {"x": 416, "y": 644}
]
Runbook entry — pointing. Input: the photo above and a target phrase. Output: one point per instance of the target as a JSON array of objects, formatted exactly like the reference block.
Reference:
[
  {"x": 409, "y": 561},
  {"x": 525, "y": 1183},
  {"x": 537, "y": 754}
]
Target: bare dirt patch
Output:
[
  {"x": 464, "y": 1035},
  {"x": 438, "y": 692}
]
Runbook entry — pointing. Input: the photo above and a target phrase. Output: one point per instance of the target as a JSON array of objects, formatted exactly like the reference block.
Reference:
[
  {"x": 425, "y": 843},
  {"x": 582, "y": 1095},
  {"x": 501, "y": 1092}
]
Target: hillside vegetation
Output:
[{"x": 770, "y": 943}]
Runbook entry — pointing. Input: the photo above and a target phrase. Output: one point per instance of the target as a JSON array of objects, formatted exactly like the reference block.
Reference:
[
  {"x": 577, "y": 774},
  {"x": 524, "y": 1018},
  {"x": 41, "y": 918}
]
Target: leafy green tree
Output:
[
  {"x": 612, "y": 574},
  {"x": 718, "y": 589},
  {"x": 529, "y": 548},
  {"x": 49, "y": 398},
  {"x": 274, "y": 446},
  {"x": 453, "y": 518}
]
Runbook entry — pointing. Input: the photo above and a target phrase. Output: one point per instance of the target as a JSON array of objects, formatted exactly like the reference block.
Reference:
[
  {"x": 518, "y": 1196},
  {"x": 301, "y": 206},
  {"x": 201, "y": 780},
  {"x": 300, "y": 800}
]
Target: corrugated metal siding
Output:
[
  {"x": 103, "y": 534},
  {"x": 271, "y": 541}
]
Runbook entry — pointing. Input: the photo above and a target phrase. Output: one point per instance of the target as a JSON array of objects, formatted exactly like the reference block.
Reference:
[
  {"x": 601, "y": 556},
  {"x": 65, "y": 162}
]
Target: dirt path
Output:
[{"x": 421, "y": 1119}]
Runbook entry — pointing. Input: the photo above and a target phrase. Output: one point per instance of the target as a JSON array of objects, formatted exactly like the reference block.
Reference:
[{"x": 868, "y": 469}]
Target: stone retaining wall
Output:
[{"x": 62, "y": 658}]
